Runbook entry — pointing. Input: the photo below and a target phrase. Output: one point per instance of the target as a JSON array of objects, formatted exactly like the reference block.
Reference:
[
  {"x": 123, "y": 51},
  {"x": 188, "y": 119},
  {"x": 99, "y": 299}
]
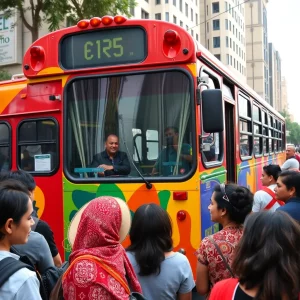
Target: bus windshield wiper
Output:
[{"x": 148, "y": 184}]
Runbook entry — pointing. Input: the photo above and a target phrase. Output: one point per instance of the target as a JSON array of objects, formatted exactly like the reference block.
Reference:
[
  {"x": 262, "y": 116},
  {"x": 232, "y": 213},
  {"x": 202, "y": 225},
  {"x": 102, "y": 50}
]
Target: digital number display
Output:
[{"x": 103, "y": 48}]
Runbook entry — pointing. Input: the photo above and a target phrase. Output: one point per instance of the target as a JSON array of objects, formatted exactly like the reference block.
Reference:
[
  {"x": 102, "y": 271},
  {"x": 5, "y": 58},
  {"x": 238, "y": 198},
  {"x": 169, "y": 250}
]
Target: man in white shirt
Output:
[
  {"x": 264, "y": 199},
  {"x": 291, "y": 162}
]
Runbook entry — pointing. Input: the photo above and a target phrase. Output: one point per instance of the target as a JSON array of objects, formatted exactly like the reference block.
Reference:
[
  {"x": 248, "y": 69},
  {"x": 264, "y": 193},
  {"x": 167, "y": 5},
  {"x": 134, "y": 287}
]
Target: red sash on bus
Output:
[{"x": 273, "y": 200}]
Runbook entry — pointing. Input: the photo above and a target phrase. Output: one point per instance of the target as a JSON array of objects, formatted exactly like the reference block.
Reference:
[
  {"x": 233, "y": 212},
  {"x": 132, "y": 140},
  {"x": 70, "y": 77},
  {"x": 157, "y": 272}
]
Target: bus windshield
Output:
[{"x": 150, "y": 113}]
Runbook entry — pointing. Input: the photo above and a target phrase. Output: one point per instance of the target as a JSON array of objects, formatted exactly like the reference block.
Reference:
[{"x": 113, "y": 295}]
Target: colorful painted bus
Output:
[{"x": 135, "y": 79}]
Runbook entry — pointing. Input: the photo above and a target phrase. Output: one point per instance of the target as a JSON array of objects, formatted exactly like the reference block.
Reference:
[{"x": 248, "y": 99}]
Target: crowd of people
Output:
[{"x": 254, "y": 256}]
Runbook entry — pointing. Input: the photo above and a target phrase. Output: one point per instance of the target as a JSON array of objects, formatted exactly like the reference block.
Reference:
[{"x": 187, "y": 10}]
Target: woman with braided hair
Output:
[{"x": 229, "y": 206}]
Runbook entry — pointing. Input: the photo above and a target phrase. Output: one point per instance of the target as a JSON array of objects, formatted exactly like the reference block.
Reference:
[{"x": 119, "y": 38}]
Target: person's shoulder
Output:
[
  {"x": 226, "y": 282},
  {"x": 35, "y": 236},
  {"x": 130, "y": 254},
  {"x": 260, "y": 194},
  {"x": 178, "y": 256},
  {"x": 35, "y": 240},
  {"x": 25, "y": 274},
  {"x": 225, "y": 288},
  {"x": 206, "y": 242},
  {"x": 99, "y": 154},
  {"x": 122, "y": 154},
  {"x": 42, "y": 226},
  {"x": 186, "y": 146}
]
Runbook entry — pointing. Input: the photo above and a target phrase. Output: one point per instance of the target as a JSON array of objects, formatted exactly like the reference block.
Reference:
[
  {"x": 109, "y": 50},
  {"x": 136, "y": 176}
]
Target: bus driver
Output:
[{"x": 113, "y": 161}]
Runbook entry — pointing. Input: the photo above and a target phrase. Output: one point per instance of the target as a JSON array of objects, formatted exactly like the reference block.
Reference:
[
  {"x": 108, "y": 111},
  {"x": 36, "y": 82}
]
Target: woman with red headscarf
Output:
[{"x": 99, "y": 267}]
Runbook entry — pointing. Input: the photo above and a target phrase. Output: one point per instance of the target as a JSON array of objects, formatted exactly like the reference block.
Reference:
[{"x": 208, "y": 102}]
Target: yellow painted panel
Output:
[{"x": 8, "y": 93}]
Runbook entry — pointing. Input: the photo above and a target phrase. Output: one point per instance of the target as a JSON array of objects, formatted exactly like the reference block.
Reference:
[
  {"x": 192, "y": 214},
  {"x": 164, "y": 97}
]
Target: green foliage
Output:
[
  {"x": 53, "y": 12},
  {"x": 4, "y": 75},
  {"x": 293, "y": 129}
]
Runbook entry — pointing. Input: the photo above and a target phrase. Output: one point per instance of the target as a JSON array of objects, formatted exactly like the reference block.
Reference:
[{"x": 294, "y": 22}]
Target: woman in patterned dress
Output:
[
  {"x": 229, "y": 206},
  {"x": 99, "y": 267}
]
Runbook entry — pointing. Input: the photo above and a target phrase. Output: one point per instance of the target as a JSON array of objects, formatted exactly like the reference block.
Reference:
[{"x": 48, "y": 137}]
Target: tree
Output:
[
  {"x": 53, "y": 12},
  {"x": 4, "y": 75},
  {"x": 293, "y": 128},
  {"x": 49, "y": 11}
]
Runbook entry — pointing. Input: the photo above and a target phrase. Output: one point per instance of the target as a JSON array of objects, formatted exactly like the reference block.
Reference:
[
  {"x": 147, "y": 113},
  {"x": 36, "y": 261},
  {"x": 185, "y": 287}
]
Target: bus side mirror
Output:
[{"x": 212, "y": 111}]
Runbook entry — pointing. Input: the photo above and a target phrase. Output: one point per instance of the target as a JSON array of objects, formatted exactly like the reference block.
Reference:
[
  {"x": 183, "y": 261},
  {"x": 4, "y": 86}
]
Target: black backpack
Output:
[
  {"x": 10, "y": 265},
  {"x": 47, "y": 280}
]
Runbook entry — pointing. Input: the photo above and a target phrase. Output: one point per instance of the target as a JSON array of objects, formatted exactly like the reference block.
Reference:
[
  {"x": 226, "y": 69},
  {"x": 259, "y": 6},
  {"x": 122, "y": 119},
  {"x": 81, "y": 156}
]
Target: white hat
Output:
[{"x": 125, "y": 221}]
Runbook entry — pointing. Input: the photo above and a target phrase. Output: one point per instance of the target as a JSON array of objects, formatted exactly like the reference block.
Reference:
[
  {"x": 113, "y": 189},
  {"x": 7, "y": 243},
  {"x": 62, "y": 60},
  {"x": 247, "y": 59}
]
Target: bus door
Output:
[
  {"x": 229, "y": 142},
  {"x": 229, "y": 112}
]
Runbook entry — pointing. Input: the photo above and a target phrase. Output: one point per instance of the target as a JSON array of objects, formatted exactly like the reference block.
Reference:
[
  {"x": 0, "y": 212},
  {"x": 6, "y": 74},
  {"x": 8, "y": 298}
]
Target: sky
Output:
[{"x": 284, "y": 32}]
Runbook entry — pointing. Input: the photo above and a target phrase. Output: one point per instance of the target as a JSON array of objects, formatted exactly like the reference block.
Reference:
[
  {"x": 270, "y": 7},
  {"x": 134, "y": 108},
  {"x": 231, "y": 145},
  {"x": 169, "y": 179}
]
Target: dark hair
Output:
[
  {"x": 291, "y": 179},
  {"x": 240, "y": 201},
  {"x": 14, "y": 198},
  {"x": 22, "y": 176},
  {"x": 267, "y": 256},
  {"x": 111, "y": 134},
  {"x": 175, "y": 129},
  {"x": 151, "y": 237},
  {"x": 272, "y": 170}
]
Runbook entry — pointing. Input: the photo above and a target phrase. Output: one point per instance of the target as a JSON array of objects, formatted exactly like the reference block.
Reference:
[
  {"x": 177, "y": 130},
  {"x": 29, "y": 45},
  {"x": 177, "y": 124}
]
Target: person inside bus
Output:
[
  {"x": 4, "y": 159},
  {"x": 111, "y": 160},
  {"x": 166, "y": 162},
  {"x": 41, "y": 226},
  {"x": 27, "y": 162}
]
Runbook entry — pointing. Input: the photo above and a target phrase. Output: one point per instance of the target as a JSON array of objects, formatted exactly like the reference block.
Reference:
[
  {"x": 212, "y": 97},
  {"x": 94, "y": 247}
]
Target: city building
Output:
[
  {"x": 257, "y": 47},
  {"x": 222, "y": 32},
  {"x": 184, "y": 13},
  {"x": 275, "y": 82},
  {"x": 284, "y": 95}
]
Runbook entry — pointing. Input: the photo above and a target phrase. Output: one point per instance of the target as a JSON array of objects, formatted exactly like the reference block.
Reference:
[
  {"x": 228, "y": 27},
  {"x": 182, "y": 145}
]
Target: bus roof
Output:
[{"x": 207, "y": 57}]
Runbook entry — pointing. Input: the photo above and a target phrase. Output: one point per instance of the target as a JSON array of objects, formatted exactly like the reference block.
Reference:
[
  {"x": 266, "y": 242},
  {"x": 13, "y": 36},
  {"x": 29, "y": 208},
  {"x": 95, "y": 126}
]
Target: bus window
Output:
[
  {"x": 211, "y": 148},
  {"x": 227, "y": 91},
  {"x": 257, "y": 130},
  {"x": 137, "y": 144},
  {"x": 5, "y": 146},
  {"x": 265, "y": 133},
  {"x": 279, "y": 145},
  {"x": 152, "y": 144},
  {"x": 38, "y": 145},
  {"x": 271, "y": 135},
  {"x": 245, "y": 127},
  {"x": 138, "y": 109}
]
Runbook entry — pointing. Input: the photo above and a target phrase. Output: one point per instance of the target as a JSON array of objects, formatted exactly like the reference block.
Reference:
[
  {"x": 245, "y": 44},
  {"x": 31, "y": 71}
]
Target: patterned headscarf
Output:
[{"x": 98, "y": 235}]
